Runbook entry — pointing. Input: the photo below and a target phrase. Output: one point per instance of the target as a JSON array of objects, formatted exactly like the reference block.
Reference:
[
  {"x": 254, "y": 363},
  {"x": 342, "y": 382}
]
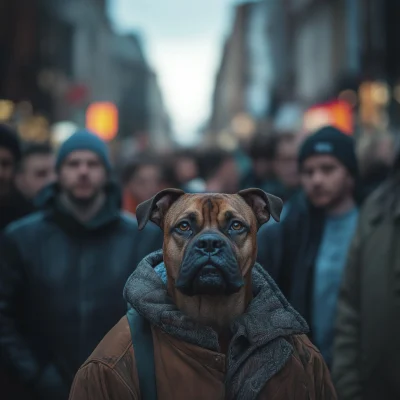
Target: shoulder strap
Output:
[{"x": 142, "y": 340}]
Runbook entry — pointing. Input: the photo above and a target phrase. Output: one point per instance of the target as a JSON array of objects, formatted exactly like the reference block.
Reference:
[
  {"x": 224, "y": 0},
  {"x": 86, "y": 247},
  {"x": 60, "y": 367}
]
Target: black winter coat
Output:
[
  {"x": 288, "y": 251},
  {"x": 13, "y": 208},
  {"x": 61, "y": 288}
]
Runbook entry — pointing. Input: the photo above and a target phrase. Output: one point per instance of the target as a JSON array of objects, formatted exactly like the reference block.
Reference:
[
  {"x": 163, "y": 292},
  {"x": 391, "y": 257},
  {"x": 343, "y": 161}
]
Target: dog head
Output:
[{"x": 210, "y": 240}]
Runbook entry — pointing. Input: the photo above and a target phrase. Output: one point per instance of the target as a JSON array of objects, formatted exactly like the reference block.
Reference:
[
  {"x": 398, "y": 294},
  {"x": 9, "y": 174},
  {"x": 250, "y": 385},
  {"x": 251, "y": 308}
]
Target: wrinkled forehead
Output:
[{"x": 209, "y": 209}]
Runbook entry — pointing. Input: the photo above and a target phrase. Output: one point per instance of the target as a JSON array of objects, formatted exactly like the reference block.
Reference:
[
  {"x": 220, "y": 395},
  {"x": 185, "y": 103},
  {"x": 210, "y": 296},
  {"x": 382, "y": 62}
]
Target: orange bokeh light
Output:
[
  {"x": 336, "y": 113},
  {"x": 102, "y": 119}
]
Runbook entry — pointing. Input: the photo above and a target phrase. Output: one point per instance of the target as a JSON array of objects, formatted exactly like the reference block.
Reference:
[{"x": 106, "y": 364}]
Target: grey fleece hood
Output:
[{"x": 257, "y": 350}]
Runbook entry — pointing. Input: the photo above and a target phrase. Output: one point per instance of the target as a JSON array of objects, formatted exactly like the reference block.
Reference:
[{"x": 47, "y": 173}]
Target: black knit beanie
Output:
[
  {"x": 10, "y": 141},
  {"x": 333, "y": 142}
]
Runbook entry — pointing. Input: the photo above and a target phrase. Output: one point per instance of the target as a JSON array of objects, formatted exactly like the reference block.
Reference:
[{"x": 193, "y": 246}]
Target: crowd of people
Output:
[{"x": 69, "y": 240}]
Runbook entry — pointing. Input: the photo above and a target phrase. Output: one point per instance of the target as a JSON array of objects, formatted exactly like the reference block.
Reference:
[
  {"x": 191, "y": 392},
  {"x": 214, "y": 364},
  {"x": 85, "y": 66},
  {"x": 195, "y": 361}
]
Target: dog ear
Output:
[
  {"x": 263, "y": 204},
  {"x": 155, "y": 208}
]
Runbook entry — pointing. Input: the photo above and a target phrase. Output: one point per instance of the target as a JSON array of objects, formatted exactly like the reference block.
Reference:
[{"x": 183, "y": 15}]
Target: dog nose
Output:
[{"x": 209, "y": 243}]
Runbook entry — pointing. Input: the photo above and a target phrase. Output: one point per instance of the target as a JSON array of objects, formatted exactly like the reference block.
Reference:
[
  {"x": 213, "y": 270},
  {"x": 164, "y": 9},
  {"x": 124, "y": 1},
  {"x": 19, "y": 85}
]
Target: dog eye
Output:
[
  {"x": 184, "y": 227},
  {"x": 237, "y": 226}
]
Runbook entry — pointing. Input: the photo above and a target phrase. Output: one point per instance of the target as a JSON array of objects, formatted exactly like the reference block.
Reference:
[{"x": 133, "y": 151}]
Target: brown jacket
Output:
[
  {"x": 185, "y": 371},
  {"x": 268, "y": 354}
]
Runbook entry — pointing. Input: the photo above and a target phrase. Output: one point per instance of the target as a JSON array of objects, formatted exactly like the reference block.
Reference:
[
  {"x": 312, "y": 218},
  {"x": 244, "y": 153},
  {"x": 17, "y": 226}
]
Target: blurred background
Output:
[{"x": 164, "y": 77}]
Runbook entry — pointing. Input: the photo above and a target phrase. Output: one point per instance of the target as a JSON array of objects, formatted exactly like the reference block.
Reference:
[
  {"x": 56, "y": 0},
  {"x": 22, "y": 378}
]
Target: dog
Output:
[{"x": 219, "y": 326}]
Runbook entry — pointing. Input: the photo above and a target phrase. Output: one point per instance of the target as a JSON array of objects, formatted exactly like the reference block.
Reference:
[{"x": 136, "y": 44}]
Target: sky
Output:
[{"x": 183, "y": 42}]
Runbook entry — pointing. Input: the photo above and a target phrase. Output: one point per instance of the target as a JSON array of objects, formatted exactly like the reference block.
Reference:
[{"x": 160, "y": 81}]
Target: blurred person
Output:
[
  {"x": 283, "y": 180},
  {"x": 284, "y": 164},
  {"x": 275, "y": 169},
  {"x": 63, "y": 269},
  {"x": 187, "y": 173},
  {"x": 376, "y": 154},
  {"x": 261, "y": 155},
  {"x": 220, "y": 171},
  {"x": 168, "y": 175},
  {"x": 185, "y": 167},
  {"x": 36, "y": 170},
  {"x": 12, "y": 204},
  {"x": 306, "y": 253},
  {"x": 367, "y": 342},
  {"x": 142, "y": 179}
]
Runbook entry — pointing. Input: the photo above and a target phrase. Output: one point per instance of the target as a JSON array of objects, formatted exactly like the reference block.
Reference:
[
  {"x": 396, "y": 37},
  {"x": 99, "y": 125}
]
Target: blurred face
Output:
[
  {"x": 385, "y": 151},
  {"x": 262, "y": 167},
  {"x": 38, "y": 171},
  {"x": 145, "y": 183},
  {"x": 226, "y": 178},
  {"x": 7, "y": 170},
  {"x": 82, "y": 176},
  {"x": 186, "y": 170},
  {"x": 285, "y": 164},
  {"x": 326, "y": 181}
]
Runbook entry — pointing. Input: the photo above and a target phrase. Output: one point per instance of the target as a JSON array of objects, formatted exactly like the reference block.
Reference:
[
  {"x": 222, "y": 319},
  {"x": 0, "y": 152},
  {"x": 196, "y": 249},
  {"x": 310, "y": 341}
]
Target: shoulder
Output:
[
  {"x": 304, "y": 351},
  {"x": 114, "y": 357},
  {"x": 375, "y": 210},
  {"x": 112, "y": 363},
  {"x": 129, "y": 221},
  {"x": 114, "y": 347},
  {"x": 374, "y": 201},
  {"x": 269, "y": 229},
  {"x": 25, "y": 224}
]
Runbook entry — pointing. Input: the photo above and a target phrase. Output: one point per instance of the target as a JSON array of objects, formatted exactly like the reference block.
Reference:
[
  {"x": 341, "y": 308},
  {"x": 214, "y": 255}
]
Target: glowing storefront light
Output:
[
  {"x": 6, "y": 109},
  {"x": 102, "y": 119}
]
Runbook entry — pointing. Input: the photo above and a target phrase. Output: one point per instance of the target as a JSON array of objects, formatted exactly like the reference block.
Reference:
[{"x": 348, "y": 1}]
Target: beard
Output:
[
  {"x": 83, "y": 201},
  {"x": 330, "y": 199}
]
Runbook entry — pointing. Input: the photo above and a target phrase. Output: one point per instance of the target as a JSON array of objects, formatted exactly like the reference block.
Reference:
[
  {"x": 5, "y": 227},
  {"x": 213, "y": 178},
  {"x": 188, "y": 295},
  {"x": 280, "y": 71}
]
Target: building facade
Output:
[
  {"x": 281, "y": 57},
  {"x": 74, "y": 58}
]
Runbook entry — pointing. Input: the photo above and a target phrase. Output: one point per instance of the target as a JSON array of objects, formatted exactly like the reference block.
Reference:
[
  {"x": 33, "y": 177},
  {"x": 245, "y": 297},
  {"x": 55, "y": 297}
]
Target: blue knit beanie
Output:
[{"x": 84, "y": 140}]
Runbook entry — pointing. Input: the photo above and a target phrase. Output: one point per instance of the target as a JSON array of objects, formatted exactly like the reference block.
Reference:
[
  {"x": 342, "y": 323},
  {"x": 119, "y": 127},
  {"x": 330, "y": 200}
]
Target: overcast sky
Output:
[{"x": 183, "y": 41}]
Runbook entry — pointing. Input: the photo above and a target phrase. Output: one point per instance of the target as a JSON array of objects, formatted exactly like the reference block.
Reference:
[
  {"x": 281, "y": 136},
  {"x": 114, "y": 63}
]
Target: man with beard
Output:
[
  {"x": 63, "y": 269},
  {"x": 12, "y": 204},
  {"x": 306, "y": 254}
]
